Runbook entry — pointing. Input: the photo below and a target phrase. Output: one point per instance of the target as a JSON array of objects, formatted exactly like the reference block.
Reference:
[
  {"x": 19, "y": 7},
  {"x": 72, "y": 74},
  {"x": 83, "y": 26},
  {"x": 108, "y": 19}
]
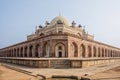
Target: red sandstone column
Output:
[
  {"x": 100, "y": 52},
  {"x": 33, "y": 51},
  {"x": 96, "y": 51},
  {"x": 42, "y": 49},
  {"x": 23, "y": 52},
  {"x": 86, "y": 51},
  {"x": 28, "y": 51},
  {"x": 52, "y": 48},
  {"x": 92, "y": 51},
  {"x": 19, "y": 52},
  {"x": 66, "y": 49},
  {"x": 39, "y": 49},
  {"x": 13, "y": 52}
]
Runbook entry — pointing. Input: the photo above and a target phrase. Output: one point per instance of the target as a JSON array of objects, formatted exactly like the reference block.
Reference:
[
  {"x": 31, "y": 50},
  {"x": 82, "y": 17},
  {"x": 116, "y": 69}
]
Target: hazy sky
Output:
[{"x": 18, "y": 18}]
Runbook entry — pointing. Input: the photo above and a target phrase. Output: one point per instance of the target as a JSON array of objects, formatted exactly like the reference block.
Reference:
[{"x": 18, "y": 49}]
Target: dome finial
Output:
[{"x": 59, "y": 13}]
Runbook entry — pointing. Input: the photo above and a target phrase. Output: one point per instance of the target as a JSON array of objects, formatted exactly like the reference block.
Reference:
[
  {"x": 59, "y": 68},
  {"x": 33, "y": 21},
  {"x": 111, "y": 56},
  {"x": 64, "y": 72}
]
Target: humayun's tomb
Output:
[{"x": 60, "y": 45}]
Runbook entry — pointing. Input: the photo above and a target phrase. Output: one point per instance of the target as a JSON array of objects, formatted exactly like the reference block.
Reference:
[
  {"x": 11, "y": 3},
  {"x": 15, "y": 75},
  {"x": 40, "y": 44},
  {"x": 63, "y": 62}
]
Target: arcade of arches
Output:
[{"x": 81, "y": 51}]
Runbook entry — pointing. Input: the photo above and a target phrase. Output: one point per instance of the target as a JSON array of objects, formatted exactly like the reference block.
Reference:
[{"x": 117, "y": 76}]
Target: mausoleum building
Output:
[{"x": 60, "y": 44}]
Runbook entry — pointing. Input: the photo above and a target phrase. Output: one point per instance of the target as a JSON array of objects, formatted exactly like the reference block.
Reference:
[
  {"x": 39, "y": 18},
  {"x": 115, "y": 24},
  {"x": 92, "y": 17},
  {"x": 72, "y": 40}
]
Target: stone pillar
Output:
[
  {"x": 92, "y": 51},
  {"x": 106, "y": 52},
  {"x": 13, "y": 51},
  {"x": 19, "y": 52},
  {"x": 96, "y": 51},
  {"x": 100, "y": 52},
  {"x": 42, "y": 49},
  {"x": 23, "y": 52},
  {"x": 68, "y": 54},
  {"x": 52, "y": 46},
  {"x": 39, "y": 50},
  {"x": 33, "y": 51},
  {"x": 28, "y": 51},
  {"x": 66, "y": 49},
  {"x": 86, "y": 51}
]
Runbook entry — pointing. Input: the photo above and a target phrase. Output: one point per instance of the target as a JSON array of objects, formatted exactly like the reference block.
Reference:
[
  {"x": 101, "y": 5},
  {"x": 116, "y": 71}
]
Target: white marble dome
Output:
[{"x": 59, "y": 18}]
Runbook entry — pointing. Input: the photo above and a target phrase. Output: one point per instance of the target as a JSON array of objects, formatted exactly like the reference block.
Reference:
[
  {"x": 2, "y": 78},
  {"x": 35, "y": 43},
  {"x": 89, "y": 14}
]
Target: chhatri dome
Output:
[{"x": 59, "y": 19}]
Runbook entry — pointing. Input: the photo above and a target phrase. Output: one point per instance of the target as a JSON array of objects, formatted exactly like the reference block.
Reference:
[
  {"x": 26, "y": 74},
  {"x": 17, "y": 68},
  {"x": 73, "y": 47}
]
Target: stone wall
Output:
[
  {"x": 59, "y": 63},
  {"x": 92, "y": 62}
]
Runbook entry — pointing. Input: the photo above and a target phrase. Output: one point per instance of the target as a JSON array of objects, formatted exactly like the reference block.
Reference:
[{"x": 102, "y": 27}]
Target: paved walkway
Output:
[{"x": 48, "y": 73}]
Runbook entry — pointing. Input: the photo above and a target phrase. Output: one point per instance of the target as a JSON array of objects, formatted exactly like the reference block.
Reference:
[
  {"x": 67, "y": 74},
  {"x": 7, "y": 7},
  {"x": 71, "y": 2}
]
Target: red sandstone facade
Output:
[{"x": 59, "y": 40}]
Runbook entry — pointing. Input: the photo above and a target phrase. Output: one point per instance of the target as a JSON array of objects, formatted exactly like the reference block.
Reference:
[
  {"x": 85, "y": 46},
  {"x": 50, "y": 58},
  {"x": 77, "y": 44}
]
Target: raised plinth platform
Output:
[
  {"x": 59, "y": 62},
  {"x": 77, "y": 73}
]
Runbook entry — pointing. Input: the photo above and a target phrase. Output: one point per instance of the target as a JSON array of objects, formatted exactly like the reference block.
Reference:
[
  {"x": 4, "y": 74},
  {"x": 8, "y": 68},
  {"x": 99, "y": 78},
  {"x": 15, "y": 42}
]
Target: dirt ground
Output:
[
  {"x": 8, "y": 74},
  {"x": 113, "y": 74}
]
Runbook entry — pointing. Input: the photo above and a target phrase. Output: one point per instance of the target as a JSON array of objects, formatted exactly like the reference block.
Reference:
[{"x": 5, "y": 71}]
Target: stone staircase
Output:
[{"x": 60, "y": 63}]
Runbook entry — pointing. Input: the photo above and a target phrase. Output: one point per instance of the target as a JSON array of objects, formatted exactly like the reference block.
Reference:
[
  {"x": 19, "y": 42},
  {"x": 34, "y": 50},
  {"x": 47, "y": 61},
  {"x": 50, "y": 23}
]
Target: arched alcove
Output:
[
  {"x": 25, "y": 51},
  {"x": 30, "y": 51},
  {"x": 82, "y": 48},
  {"x": 94, "y": 51},
  {"x": 89, "y": 51},
  {"x": 21, "y": 52},
  {"x": 99, "y": 52},
  {"x": 60, "y": 50}
]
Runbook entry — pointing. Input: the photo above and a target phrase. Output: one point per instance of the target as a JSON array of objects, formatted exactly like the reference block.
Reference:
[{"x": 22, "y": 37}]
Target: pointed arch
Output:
[
  {"x": 94, "y": 51},
  {"x": 103, "y": 52},
  {"x": 108, "y": 53},
  {"x": 89, "y": 51},
  {"x": 21, "y": 52},
  {"x": 74, "y": 49},
  {"x": 99, "y": 52},
  {"x": 82, "y": 48},
  {"x": 25, "y": 52},
  {"x": 30, "y": 51},
  {"x": 60, "y": 50},
  {"x": 111, "y": 53}
]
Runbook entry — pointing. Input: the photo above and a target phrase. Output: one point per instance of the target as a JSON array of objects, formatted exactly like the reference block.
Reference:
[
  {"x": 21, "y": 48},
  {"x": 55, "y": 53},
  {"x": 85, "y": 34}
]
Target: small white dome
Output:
[{"x": 59, "y": 18}]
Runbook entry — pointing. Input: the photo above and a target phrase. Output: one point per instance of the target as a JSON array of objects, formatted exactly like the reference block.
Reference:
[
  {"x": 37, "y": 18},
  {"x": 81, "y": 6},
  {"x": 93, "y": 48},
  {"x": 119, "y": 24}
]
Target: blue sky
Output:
[{"x": 18, "y": 18}]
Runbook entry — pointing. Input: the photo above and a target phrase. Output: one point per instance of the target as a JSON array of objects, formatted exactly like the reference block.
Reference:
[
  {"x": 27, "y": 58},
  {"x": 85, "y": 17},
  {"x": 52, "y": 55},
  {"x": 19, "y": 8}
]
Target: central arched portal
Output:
[{"x": 59, "y": 50}]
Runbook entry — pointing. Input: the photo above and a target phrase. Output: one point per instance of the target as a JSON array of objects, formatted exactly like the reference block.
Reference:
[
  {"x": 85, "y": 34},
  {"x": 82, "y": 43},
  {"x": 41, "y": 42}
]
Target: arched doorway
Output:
[
  {"x": 25, "y": 51},
  {"x": 17, "y": 52},
  {"x": 74, "y": 50},
  {"x": 83, "y": 50},
  {"x": 60, "y": 50},
  {"x": 99, "y": 52},
  {"x": 30, "y": 51},
  {"x": 103, "y": 52},
  {"x": 108, "y": 53},
  {"x": 21, "y": 52},
  {"x": 89, "y": 51},
  {"x": 94, "y": 51}
]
